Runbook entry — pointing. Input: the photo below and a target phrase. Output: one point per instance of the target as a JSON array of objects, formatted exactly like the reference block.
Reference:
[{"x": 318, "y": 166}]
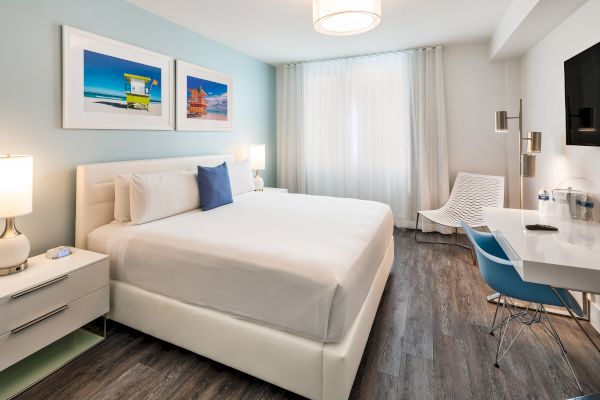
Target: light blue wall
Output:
[{"x": 30, "y": 102}]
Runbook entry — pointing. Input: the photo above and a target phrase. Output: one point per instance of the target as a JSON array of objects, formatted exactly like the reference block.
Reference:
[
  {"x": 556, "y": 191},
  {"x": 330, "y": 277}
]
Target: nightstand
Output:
[
  {"x": 43, "y": 310},
  {"x": 278, "y": 190}
]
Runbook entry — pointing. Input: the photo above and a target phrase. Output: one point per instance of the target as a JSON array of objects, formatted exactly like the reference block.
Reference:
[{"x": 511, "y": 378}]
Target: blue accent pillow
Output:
[{"x": 214, "y": 187}]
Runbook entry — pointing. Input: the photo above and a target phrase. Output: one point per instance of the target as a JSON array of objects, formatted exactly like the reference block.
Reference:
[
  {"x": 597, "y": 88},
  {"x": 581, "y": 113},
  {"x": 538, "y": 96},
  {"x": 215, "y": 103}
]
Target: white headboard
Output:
[{"x": 96, "y": 188}]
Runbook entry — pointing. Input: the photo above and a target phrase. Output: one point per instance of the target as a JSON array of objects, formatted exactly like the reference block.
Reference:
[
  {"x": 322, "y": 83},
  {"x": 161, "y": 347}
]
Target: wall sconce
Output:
[
  {"x": 586, "y": 120},
  {"x": 585, "y": 117}
]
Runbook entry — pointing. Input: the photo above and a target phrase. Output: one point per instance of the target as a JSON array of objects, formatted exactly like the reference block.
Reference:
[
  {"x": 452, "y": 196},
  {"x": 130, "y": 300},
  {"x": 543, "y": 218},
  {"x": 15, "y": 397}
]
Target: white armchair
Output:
[{"x": 470, "y": 194}]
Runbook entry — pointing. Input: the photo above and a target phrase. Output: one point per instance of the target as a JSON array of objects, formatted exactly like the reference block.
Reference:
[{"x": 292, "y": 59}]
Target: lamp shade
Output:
[
  {"x": 534, "y": 142},
  {"x": 527, "y": 165},
  {"x": 16, "y": 185},
  {"x": 346, "y": 17},
  {"x": 257, "y": 156},
  {"x": 501, "y": 121}
]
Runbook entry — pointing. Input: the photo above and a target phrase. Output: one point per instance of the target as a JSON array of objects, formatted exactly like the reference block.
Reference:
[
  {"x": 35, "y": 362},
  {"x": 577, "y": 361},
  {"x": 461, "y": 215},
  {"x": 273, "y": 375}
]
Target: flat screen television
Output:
[{"x": 582, "y": 97}]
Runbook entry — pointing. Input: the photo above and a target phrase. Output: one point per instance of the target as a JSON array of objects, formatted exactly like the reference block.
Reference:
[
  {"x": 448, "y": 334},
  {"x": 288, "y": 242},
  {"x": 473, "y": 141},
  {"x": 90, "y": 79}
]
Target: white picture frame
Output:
[
  {"x": 93, "y": 68},
  {"x": 191, "y": 115}
]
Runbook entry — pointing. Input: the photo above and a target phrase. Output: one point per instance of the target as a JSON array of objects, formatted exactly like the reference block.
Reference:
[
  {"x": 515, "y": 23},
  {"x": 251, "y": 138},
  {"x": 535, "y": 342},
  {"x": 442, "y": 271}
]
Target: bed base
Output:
[{"x": 316, "y": 370}]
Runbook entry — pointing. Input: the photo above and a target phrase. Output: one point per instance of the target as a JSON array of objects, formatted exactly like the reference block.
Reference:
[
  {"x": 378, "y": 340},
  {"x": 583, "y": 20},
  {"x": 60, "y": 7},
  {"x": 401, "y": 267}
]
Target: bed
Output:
[{"x": 283, "y": 287}]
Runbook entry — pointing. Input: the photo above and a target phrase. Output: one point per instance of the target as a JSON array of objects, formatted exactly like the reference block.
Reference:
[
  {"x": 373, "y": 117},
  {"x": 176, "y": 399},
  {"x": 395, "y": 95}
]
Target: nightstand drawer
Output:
[
  {"x": 46, "y": 328},
  {"x": 19, "y": 308}
]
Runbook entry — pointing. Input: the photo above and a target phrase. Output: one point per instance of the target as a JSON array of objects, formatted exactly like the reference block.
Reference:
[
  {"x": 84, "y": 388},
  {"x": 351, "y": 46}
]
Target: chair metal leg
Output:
[
  {"x": 493, "y": 328},
  {"x": 503, "y": 327},
  {"x": 563, "y": 353},
  {"x": 417, "y": 227},
  {"x": 456, "y": 241},
  {"x": 528, "y": 320},
  {"x": 552, "y": 332}
]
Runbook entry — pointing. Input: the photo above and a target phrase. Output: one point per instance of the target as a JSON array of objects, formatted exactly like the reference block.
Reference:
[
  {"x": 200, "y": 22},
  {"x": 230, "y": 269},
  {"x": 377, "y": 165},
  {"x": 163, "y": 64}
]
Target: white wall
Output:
[
  {"x": 543, "y": 92},
  {"x": 475, "y": 89}
]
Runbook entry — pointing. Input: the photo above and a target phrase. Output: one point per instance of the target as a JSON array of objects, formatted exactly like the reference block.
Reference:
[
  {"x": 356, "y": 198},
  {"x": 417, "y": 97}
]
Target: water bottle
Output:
[
  {"x": 585, "y": 206},
  {"x": 544, "y": 201}
]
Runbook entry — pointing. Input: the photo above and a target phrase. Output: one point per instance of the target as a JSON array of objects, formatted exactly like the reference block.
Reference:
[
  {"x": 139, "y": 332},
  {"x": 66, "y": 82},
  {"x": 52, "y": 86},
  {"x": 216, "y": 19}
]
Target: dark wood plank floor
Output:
[{"x": 429, "y": 341}]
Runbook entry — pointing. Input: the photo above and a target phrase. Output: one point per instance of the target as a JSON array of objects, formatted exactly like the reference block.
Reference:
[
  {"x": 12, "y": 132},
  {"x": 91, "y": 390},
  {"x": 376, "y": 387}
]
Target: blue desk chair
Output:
[{"x": 500, "y": 274}]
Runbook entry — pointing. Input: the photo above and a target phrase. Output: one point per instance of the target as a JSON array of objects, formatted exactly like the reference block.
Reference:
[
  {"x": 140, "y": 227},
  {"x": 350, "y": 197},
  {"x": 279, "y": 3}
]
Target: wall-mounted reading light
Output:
[{"x": 586, "y": 120}]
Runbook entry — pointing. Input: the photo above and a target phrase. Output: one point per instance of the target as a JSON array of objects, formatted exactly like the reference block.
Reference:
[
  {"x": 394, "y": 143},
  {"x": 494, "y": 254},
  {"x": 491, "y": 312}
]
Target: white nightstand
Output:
[
  {"x": 278, "y": 190},
  {"x": 42, "y": 309}
]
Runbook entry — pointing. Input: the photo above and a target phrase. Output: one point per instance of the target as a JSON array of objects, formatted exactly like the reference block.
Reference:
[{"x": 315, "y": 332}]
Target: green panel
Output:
[
  {"x": 37, "y": 366},
  {"x": 137, "y": 98}
]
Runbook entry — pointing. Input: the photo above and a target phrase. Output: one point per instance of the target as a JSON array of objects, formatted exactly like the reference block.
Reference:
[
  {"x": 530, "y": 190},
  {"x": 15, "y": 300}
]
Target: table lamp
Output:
[
  {"x": 257, "y": 162},
  {"x": 16, "y": 183}
]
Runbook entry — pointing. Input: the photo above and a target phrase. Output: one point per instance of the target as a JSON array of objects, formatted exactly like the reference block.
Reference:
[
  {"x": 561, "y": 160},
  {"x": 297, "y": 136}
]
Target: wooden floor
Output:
[{"x": 430, "y": 340}]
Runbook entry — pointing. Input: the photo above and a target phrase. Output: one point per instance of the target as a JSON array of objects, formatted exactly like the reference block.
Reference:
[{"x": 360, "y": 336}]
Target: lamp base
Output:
[
  {"x": 14, "y": 249},
  {"x": 13, "y": 270},
  {"x": 259, "y": 184}
]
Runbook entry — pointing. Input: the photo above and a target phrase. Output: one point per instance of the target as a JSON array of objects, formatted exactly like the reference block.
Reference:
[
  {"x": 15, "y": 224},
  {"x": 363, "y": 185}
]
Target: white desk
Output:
[{"x": 569, "y": 258}]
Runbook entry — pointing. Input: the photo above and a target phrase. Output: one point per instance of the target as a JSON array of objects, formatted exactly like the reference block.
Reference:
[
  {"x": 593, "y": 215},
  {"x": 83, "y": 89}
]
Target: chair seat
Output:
[
  {"x": 446, "y": 217},
  {"x": 470, "y": 194}
]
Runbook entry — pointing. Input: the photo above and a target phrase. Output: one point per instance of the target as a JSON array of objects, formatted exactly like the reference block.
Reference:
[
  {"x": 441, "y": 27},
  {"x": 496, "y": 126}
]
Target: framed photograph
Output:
[
  {"x": 108, "y": 84},
  {"x": 204, "y": 99}
]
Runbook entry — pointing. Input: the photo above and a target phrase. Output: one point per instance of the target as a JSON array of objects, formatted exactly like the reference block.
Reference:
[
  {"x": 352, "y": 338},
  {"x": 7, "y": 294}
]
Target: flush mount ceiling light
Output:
[{"x": 346, "y": 17}]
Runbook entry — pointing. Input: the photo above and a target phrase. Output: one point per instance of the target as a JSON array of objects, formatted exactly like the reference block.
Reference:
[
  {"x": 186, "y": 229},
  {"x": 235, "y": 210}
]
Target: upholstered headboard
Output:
[{"x": 96, "y": 188}]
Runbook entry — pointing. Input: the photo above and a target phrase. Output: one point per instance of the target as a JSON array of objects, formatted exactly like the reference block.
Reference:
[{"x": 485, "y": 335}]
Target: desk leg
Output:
[
  {"x": 576, "y": 320},
  {"x": 585, "y": 299}
]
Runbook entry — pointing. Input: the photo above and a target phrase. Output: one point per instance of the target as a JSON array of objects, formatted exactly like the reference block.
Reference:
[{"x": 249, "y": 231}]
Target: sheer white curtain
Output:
[{"x": 369, "y": 127}]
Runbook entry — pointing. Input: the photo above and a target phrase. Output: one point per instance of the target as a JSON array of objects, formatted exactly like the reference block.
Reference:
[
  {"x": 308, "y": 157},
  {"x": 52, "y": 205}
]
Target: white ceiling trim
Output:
[{"x": 525, "y": 23}]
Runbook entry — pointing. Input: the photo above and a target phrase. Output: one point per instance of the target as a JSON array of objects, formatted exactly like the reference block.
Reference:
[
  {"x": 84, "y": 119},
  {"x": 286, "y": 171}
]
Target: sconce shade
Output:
[
  {"x": 16, "y": 185},
  {"x": 527, "y": 165},
  {"x": 346, "y": 17},
  {"x": 534, "y": 144},
  {"x": 257, "y": 157},
  {"x": 501, "y": 121}
]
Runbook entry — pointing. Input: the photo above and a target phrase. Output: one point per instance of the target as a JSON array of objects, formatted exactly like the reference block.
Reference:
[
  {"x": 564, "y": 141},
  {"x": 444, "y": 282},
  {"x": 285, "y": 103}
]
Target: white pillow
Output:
[
  {"x": 122, "y": 212},
  {"x": 240, "y": 177},
  {"x": 162, "y": 194}
]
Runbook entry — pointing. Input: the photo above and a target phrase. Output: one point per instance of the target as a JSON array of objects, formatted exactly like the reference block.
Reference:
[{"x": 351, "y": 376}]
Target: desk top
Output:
[{"x": 569, "y": 258}]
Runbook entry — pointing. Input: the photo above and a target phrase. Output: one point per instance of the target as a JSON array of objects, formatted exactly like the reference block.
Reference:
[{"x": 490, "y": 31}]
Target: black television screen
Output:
[{"x": 582, "y": 97}]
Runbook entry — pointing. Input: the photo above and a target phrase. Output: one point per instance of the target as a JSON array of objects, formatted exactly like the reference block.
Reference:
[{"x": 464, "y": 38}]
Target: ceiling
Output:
[{"x": 279, "y": 31}]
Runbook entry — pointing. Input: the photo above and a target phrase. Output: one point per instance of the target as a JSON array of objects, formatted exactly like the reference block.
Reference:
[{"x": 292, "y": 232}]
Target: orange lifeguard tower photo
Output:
[{"x": 197, "y": 103}]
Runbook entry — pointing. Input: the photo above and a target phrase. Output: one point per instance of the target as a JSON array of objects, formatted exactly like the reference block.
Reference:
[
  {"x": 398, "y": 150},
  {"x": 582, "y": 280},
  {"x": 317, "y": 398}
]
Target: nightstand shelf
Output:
[{"x": 26, "y": 373}]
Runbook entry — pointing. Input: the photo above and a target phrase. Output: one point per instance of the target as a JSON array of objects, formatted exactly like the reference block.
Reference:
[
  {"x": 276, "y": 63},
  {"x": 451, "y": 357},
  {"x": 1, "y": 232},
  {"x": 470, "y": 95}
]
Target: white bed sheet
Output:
[{"x": 302, "y": 264}]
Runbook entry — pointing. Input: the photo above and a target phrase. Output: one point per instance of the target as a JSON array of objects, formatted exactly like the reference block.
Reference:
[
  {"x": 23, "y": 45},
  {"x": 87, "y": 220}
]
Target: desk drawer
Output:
[
  {"x": 46, "y": 328},
  {"x": 22, "y": 307}
]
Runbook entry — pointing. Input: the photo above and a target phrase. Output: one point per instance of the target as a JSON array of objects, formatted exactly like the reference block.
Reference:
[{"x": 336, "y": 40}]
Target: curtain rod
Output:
[{"x": 361, "y": 55}]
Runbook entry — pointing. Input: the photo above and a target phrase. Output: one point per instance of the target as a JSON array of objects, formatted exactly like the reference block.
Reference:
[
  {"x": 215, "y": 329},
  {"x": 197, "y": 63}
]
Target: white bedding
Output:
[{"x": 302, "y": 264}]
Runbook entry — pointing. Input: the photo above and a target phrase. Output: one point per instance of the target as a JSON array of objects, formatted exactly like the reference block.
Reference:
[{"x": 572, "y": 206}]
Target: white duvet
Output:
[{"x": 302, "y": 264}]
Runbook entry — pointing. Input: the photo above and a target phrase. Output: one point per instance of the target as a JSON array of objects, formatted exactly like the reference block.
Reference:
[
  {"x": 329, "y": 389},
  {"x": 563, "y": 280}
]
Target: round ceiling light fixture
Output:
[{"x": 346, "y": 17}]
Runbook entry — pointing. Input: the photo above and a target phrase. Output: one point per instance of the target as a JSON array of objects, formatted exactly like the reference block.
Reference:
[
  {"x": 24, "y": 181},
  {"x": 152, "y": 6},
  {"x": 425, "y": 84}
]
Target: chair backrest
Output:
[
  {"x": 471, "y": 193},
  {"x": 497, "y": 271}
]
